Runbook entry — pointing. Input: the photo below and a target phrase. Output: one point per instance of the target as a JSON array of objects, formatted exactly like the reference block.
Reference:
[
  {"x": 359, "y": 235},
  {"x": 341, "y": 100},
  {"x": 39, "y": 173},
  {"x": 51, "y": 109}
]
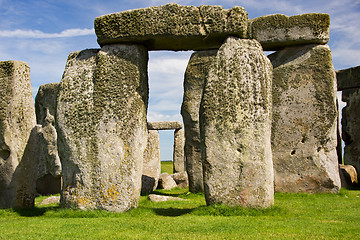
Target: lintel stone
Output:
[
  {"x": 173, "y": 27},
  {"x": 164, "y": 125},
  {"x": 277, "y": 30},
  {"x": 348, "y": 78}
]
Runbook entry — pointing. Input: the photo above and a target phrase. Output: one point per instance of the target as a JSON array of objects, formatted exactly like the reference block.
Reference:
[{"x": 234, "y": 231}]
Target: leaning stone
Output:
[
  {"x": 178, "y": 154},
  {"x": 235, "y": 127},
  {"x": 166, "y": 182},
  {"x": 348, "y": 176},
  {"x": 304, "y": 120},
  {"x": 181, "y": 179},
  {"x": 152, "y": 163},
  {"x": 164, "y": 125},
  {"x": 17, "y": 119},
  {"x": 101, "y": 118},
  {"x": 277, "y": 31},
  {"x": 172, "y": 27},
  {"x": 50, "y": 200},
  {"x": 161, "y": 198},
  {"x": 348, "y": 78},
  {"x": 351, "y": 127},
  {"x": 195, "y": 76}
]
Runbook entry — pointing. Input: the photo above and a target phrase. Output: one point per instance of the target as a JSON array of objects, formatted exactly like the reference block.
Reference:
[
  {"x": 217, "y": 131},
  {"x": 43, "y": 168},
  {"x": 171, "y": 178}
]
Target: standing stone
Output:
[
  {"x": 195, "y": 76},
  {"x": 178, "y": 155},
  {"x": 49, "y": 173},
  {"x": 101, "y": 118},
  {"x": 235, "y": 127},
  {"x": 17, "y": 119},
  {"x": 304, "y": 120},
  {"x": 152, "y": 163}
]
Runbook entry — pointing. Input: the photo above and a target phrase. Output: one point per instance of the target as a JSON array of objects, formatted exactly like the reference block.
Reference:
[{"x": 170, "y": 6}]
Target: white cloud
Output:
[
  {"x": 75, "y": 32},
  {"x": 154, "y": 116}
]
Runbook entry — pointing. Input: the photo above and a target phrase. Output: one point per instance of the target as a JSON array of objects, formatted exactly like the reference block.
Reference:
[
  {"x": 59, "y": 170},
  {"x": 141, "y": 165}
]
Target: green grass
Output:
[
  {"x": 167, "y": 167},
  {"x": 294, "y": 216}
]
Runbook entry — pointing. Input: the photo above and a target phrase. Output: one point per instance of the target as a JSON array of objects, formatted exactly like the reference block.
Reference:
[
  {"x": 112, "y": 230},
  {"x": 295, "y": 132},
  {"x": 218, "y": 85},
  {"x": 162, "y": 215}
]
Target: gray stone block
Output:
[
  {"x": 166, "y": 125},
  {"x": 348, "y": 78}
]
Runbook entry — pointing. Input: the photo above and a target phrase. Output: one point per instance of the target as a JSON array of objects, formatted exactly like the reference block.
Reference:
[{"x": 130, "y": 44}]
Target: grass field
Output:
[{"x": 294, "y": 216}]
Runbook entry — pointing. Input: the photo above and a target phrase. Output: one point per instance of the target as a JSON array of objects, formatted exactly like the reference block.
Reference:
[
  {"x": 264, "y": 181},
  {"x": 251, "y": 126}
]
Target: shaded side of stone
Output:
[
  {"x": 195, "y": 76},
  {"x": 278, "y": 31},
  {"x": 348, "y": 176},
  {"x": 172, "y": 27},
  {"x": 350, "y": 123},
  {"x": 166, "y": 125},
  {"x": 304, "y": 124},
  {"x": 101, "y": 118},
  {"x": 17, "y": 119},
  {"x": 152, "y": 163},
  {"x": 235, "y": 127},
  {"x": 348, "y": 78},
  {"x": 178, "y": 154}
]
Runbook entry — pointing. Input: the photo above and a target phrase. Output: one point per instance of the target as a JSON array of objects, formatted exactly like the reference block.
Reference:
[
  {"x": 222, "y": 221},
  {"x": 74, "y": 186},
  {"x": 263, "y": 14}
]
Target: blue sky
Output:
[{"x": 43, "y": 33}]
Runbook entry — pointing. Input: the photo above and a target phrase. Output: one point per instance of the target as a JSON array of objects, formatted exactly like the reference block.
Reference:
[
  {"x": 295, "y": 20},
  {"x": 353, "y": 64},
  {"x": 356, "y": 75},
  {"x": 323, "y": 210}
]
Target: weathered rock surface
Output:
[
  {"x": 195, "y": 76},
  {"x": 348, "y": 176},
  {"x": 181, "y": 179},
  {"x": 178, "y": 154},
  {"x": 49, "y": 161},
  {"x": 235, "y": 127},
  {"x": 102, "y": 134},
  {"x": 17, "y": 119},
  {"x": 164, "y": 125},
  {"x": 166, "y": 182},
  {"x": 278, "y": 31},
  {"x": 161, "y": 198},
  {"x": 351, "y": 127},
  {"x": 348, "y": 78},
  {"x": 50, "y": 200},
  {"x": 152, "y": 163},
  {"x": 304, "y": 120},
  {"x": 173, "y": 27}
]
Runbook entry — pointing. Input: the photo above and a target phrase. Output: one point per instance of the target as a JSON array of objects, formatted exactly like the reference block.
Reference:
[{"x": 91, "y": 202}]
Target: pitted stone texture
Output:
[
  {"x": 17, "y": 119},
  {"x": 178, "y": 154},
  {"x": 152, "y": 163},
  {"x": 166, "y": 182},
  {"x": 49, "y": 161},
  {"x": 351, "y": 127},
  {"x": 102, "y": 134},
  {"x": 195, "y": 76},
  {"x": 235, "y": 127},
  {"x": 348, "y": 78},
  {"x": 278, "y": 31},
  {"x": 164, "y": 125},
  {"x": 161, "y": 198},
  {"x": 173, "y": 27},
  {"x": 304, "y": 120},
  {"x": 181, "y": 179}
]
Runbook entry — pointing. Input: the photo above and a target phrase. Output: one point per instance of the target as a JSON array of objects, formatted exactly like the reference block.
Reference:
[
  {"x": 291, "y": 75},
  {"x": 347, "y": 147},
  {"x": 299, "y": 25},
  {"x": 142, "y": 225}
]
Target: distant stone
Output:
[
  {"x": 49, "y": 184},
  {"x": 196, "y": 73},
  {"x": 348, "y": 78},
  {"x": 304, "y": 124},
  {"x": 178, "y": 154},
  {"x": 45, "y": 102},
  {"x": 50, "y": 200},
  {"x": 17, "y": 119},
  {"x": 348, "y": 176},
  {"x": 278, "y": 31},
  {"x": 235, "y": 126},
  {"x": 164, "y": 125},
  {"x": 166, "y": 182},
  {"x": 181, "y": 179},
  {"x": 101, "y": 118},
  {"x": 152, "y": 163},
  {"x": 161, "y": 198},
  {"x": 351, "y": 127},
  {"x": 172, "y": 26}
]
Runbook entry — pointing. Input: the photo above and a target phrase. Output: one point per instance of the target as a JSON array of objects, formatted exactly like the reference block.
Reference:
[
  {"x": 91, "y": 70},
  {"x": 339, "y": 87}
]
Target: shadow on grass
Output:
[
  {"x": 32, "y": 212},
  {"x": 172, "y": 212}
]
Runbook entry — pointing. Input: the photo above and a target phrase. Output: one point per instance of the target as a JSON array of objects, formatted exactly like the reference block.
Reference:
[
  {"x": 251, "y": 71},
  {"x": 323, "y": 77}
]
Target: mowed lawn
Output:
[{"x": 294, "y": 216}]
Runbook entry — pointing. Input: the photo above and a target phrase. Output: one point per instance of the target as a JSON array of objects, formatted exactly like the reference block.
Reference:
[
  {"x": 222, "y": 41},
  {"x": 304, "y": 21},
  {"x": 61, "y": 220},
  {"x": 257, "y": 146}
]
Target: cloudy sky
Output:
[{"x": 43, "y": 33}]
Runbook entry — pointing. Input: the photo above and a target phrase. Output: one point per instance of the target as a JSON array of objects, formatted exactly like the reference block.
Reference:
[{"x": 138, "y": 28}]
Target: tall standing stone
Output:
[
  {"x": 195, "y": 76},
  {"x": 235, "y": 124},
  {"x": 178, "y": 154},
  {"x": 304, "y": 120},
  {"x": 101, "y": 118},
  {"x": 17, "y": 119},
  {"x": 152, "y": 163}
]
